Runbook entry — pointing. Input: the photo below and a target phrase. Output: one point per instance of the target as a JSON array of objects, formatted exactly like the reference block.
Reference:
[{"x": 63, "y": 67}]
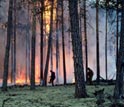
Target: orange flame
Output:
[{"x": 21, "y": 77}]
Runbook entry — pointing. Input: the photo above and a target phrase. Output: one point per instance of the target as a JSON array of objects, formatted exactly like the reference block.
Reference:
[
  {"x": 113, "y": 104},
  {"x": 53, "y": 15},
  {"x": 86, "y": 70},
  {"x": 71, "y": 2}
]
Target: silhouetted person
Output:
[
  {"x": 89, "y": 75},
  {"x": 52, "y": 77}
]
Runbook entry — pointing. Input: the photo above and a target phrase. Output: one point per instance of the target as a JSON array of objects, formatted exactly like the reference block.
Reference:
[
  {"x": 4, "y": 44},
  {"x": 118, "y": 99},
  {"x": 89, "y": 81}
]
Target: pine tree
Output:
[
  {"x": 119, "y": 90},
  {"x": 41, "y": 41},
  {"x": 106, "y": 34},
  {"x": 49, "y": 45},
  {"x": 57, "y": 42},
  {"x": 97, "y": 42},
  {"x": 63, "y": 44},
  {"x": 85, "y": 36},
  {"x": 33, "y": 42},
  {"x": 80, "y": 89},
  {"x": 7, "y": 51}
]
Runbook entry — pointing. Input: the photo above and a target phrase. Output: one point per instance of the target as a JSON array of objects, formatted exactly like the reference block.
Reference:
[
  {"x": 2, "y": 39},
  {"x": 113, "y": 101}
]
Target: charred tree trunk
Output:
[
  {"x": 32, "y": 87},
  {"x": 63, "y": 44},
  {"x": 97, "y": 42},
  {"x": 49, "y": 45},
  {"x": 9, "y": 34},
  {"x": 80, "y": 89},
  {"x": 119, "y": 89},
  {"x": 41, "y": 42}
]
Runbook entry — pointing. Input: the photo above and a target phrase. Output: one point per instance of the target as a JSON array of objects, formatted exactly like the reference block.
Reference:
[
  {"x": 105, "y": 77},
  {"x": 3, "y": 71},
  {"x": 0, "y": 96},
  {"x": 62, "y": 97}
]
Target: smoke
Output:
[
  {"x": 92, "y": 45},
  {"x": 23, "y": 23}
]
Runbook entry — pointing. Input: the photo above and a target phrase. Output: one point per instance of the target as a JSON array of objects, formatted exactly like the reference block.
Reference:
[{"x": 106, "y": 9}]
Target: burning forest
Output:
[
  {"x": 65, "y": 42},
  {"x": 23, "y": 41}
]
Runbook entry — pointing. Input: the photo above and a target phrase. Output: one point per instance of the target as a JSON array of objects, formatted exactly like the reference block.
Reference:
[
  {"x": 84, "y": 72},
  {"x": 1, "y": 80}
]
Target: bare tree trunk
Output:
[
  {"x": 117, "y": 32},
  {"x": 9, "y": 33},
  {"x": 32, "y": 87},
  {"x": 85, "y": 36},
  {"x": 28, "y": 49},
  {"x": 14, "y": 73},
  {"x": 41, "y": 42},
  {"x": 63, "y": 44},
  {"x": 51, "y": 54},
  {"x": 13, "y": 36},
  {"x": 80, "y": 89},
  {"x": 97, "y": 42},
  {"x": 57, "y": 44},
  {"x": 49, "y": 45},
  {"x": 106, "y": 32},
  {"x": 12, "y": 52}
]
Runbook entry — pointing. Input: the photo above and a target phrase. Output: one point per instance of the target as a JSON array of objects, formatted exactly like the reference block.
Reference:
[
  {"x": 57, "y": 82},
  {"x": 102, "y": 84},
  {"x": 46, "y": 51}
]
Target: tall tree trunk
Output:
[
  {"x": 85, "y": 36},
  {"x": 80, "y": 89},
  {"x": 97, "y": 42},
  {"x": 28, "y": 49},
  {"x": 70, "y": 44},
  {"x": 9, "y": 33},
  {"x": 41, "y": 42},
  {"x": 13, "y": 45},
  {"x": 80, "y": 23},
  {"x": 57, "y": 44},
  {"x": 117, "y": 35},
  {"x": 119, "y": 89},
  {"x": 49, "y": 45},
  {"x": 106, "y": 32},
  {"x": 14, "y": 68},
  {"x": 63, "y": 44},
  {"x": 12, "y": 51},
  {"x": 51, "y": 54},
  {"x": 33, "y": 51}
]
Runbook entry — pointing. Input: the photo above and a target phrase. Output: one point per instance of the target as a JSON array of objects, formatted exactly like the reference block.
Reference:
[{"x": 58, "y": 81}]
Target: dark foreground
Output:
[{"x": 57, "y": 96}]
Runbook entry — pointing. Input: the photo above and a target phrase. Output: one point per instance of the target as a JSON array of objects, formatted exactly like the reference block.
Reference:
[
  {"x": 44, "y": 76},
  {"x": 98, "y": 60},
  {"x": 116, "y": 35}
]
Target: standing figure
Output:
[
  {"x": 52, "y": 77},
  {"x": 89, "y": 75}
]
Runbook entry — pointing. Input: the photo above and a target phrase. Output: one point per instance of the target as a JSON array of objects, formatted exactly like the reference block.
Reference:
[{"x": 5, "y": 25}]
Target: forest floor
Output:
[{"x": 57, "y": 96}]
